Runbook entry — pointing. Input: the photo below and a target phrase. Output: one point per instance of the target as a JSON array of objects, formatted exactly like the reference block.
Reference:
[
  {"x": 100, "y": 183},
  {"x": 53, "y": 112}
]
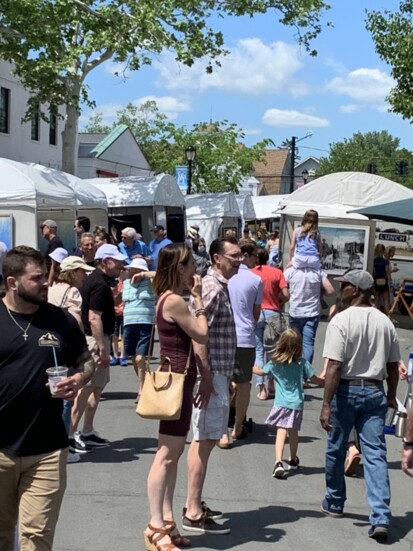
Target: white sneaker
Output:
[{"x": 73, "y": 457}]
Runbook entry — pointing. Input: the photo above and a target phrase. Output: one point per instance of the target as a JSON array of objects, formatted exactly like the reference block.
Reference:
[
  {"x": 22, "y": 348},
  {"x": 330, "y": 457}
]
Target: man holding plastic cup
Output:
[{"x": 33, "y": 439}]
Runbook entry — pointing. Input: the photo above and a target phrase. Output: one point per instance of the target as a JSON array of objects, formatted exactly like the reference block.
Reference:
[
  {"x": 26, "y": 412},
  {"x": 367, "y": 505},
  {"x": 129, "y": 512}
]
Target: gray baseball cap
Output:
[{"x": 358, "y": 278}]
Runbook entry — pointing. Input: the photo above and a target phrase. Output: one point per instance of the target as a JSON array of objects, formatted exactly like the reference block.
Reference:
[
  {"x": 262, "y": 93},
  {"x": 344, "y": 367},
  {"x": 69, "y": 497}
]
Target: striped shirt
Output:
[
  {"x": 139, "y": 302},
  {"x": 222, "y": 343}
]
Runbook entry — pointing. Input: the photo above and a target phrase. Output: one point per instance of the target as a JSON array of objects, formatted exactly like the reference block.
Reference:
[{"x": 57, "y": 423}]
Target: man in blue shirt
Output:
[
  {"x": 132, "y": 247},
  {"x": 158, "y": 243}
]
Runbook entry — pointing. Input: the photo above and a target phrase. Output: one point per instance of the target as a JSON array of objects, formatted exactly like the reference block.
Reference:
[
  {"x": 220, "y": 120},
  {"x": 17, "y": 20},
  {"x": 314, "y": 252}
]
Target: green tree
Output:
[
  {"x": 377, "y": 152},
  {"x": 221, "y": 158},
  {"x": 392, "y": 34},
  {"x": 95, "y": 125},
  {"x": 55, "y": 44}
]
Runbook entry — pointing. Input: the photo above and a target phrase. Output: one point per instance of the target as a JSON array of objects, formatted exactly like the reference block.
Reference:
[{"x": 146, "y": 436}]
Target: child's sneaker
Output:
[
  {"x": 293, "y": 464},
  {"x": 279, "y": 470}
]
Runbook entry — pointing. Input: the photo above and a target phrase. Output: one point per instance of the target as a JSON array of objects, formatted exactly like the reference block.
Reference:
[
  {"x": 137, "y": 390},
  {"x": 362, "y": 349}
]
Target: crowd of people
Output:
[{"x": 100, "y": 305}]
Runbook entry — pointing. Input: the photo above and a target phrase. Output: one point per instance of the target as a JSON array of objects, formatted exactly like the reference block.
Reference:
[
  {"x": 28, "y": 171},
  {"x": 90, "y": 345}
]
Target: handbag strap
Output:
[{"x": 64, "y": 297}]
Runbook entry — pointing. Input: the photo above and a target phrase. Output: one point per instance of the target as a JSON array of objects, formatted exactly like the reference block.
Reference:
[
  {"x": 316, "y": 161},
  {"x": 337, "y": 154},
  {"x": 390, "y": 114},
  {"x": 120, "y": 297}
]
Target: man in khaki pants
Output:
[{"x": 33, "y": 439}]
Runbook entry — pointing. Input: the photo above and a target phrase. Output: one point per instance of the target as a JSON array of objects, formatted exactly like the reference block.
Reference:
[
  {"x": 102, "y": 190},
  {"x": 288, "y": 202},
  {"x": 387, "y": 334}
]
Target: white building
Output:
[{"x": 34, "y": 141}]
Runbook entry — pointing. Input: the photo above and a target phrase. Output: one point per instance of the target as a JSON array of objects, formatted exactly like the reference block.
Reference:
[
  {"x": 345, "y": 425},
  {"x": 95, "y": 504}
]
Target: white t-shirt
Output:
[{"x": 364, "y": 340}]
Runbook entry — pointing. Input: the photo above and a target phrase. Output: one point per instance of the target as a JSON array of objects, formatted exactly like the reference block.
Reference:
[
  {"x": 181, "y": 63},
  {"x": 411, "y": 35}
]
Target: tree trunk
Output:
[{"x": 70, "y": 140}]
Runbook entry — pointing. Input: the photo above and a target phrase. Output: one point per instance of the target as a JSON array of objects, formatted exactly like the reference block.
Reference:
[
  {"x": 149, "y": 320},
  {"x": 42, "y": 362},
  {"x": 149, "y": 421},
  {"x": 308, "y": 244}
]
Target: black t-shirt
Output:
[
  {"x": 30, "y": 419},
  {"x": 53, "y": 244},
  {"x": 97, "y": 295}
]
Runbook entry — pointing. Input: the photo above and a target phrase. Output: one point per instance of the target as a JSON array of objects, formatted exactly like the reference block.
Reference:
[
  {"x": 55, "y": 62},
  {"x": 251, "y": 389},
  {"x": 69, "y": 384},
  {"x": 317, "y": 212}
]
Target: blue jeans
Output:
[
  {"x": 307, "y": 327},
  {"x": 363, "y": 407},
  {"x": 260, "y": 355}
]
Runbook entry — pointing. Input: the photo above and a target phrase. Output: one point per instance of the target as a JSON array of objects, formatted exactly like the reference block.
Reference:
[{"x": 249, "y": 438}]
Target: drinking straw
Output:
[{"x": 55, "y": 358}]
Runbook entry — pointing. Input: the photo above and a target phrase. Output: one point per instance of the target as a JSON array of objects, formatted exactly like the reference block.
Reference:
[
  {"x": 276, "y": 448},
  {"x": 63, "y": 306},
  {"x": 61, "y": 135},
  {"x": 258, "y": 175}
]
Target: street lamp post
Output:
[
  {"x": 304, "y": 174},
  {"x": 190, "y": 153}
]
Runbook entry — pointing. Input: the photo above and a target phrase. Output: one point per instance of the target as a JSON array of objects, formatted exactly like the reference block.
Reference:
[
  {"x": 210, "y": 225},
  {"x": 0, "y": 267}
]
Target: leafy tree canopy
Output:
[
  {"x": 221, "y": 159},
  {"x": 392, "y": 34},
  {"x": 376, "y": 152},
  {"x": 55, "y": 44}
]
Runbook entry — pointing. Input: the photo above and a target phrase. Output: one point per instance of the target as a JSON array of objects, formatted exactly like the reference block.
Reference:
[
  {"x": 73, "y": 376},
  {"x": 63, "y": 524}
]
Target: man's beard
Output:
[{"x": 32, "y": 297}]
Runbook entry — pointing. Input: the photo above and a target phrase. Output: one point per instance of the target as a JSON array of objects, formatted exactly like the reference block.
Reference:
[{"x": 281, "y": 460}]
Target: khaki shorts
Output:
[
  {"x": 212, "y": 422},
  {"x": 101, "y": 376}
]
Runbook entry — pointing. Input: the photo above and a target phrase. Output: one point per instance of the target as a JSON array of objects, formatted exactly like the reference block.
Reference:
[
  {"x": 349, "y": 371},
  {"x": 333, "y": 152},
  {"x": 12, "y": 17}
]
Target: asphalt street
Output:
[{"x": 105, "y": 506}]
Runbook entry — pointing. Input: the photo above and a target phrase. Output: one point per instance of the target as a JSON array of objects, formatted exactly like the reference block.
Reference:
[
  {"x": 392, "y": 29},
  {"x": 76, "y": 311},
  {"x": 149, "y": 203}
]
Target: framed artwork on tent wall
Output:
[
  {"x": 343, "y": 247},
  {"x": 6, "y": 230}
]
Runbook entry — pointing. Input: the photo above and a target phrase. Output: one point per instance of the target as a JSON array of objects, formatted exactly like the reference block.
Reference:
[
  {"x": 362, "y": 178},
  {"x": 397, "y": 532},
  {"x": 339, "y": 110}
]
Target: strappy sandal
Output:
[
  {"x": 152, "y": 540},
  {"x": 176, "y": 537}
]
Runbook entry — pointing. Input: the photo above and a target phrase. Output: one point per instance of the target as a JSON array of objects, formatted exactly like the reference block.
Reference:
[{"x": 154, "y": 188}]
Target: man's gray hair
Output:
[
  {"x": 87, "y": 234},
  {"x": 130, "y": 232}
]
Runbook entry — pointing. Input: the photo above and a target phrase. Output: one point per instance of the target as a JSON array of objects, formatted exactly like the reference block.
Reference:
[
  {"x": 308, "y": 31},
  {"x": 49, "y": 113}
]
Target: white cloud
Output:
[
  {"x": 252, "y": 67},
  {"x": 290, "y": 118},
  {"x": 251, "y": 131},
  {"x": 349, "y": 108},
  {"x": 168, "y": 105},
  {"x": 364, "y": 86},
  {"x": 117, "y": 69}
]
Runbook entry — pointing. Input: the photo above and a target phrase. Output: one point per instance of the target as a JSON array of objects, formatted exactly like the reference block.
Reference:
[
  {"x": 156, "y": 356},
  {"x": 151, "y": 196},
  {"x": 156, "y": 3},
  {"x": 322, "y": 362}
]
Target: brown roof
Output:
[{"x": 273, "y": 171}]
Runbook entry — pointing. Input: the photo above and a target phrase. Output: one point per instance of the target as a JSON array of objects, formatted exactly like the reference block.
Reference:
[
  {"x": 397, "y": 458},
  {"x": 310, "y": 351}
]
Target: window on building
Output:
[
  {"x": 36, "y": 125},
  {"x": 4, "y": 110},
  {"x": 53, "y": 129}
]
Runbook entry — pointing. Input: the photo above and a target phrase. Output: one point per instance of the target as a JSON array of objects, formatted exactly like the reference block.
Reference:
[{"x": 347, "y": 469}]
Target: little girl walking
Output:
[
  {"x": 305, "y": 250},
  {"x": 289, "y": 370}
]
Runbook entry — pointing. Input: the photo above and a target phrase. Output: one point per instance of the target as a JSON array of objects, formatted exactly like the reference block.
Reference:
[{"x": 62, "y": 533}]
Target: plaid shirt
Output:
[{"x": 222, "y": 343}]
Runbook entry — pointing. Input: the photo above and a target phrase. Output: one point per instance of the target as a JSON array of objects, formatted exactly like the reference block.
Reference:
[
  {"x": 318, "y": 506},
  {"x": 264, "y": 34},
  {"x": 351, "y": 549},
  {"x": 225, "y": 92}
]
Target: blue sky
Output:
[{"x": 270, "y": 86}]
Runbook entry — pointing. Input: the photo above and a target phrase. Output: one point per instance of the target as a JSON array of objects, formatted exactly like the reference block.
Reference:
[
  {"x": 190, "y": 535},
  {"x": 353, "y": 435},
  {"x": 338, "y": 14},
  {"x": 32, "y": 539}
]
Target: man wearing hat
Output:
[
  {"x": 158, "y": 243},
  {"x": 362, "y": 347},
  {"x": 98, "y": 318},
  {"x": 49, "y": 232}
]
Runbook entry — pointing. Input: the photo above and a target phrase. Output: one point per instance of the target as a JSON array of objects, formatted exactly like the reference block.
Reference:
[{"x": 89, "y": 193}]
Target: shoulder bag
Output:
[
  {"x": 162, "y": 392},
  {"x": 274, "y": 326}
]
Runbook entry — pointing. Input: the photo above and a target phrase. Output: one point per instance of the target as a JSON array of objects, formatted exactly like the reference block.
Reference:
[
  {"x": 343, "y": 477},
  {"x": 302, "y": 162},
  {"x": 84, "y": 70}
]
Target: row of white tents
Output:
[{"x": 30, "y": 193}]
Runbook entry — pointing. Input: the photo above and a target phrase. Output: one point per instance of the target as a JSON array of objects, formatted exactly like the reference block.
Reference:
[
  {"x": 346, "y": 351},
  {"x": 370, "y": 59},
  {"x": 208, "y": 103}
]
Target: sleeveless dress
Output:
[
  {"x": 307, "y": 254},
  {"x": 174, "y": 344}
]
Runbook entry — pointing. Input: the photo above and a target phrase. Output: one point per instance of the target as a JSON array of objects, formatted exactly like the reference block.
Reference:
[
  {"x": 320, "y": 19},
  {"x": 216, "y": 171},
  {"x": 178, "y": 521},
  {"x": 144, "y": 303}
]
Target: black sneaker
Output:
[
  {"x": 379, "y": 532},
  {"x": 333, "y": 513},
  {"x": 215, "y": 515},
  {"x": 279, "y": 470},
  {"x": 93, "y": 439},
  {"x": 204, "y": 525},
  {"x": 293, "y": 464},
  {"x": 76, "y": 445}
]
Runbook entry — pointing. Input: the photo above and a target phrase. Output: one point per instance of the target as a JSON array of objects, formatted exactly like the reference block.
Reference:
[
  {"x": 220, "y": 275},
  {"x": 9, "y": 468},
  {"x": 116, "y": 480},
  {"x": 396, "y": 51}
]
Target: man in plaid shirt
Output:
[{"x": 216, "y": 362}]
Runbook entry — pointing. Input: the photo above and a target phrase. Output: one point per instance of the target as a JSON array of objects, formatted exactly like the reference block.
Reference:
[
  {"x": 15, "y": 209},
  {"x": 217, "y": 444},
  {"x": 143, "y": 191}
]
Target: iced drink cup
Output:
[{"x": 56, "y": 374}]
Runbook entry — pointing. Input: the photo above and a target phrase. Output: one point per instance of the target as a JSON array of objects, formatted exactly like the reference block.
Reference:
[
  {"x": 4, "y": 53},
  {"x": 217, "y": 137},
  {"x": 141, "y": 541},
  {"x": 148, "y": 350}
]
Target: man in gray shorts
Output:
[
  {"x": 245, "y": 291},
  {"x": 216, "y": 363},
  {"x": 98, "y": 317}
]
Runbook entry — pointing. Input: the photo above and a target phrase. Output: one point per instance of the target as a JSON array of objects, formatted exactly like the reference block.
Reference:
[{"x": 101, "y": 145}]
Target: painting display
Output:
[
  {"x": 6, "y": 230},
  {"x": 343, "y": 247}
]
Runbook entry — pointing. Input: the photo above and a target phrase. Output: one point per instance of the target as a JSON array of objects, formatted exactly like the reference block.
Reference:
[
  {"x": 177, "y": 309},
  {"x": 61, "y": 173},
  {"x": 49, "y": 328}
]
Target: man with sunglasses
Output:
[
  {"x": 362, "y": 347},
  {"x": 216, "y": 362}
]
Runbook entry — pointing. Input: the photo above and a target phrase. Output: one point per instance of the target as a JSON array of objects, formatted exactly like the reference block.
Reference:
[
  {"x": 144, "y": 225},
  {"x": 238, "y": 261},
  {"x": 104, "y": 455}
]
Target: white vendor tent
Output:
[
  {"x": 27, "y": 196},
  {"x": 142, "y": 202},
  {"x": 266, "y": 205},
  {"x": 129, "y": 191},
  {"x": 246, "y": 207},
  {"x": 355, "y": 189},
  {"x": 213, "y": 213}
]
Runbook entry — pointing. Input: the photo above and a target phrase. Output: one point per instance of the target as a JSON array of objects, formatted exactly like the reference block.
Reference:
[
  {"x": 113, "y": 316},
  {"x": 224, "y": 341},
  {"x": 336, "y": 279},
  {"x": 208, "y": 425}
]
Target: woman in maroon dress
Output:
[{"x": 176, "y": 328}]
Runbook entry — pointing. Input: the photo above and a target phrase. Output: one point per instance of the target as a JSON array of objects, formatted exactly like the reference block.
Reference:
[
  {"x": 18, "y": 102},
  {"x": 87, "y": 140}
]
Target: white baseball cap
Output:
[
  {"x": 139, "y": 264},
  {"x": 59, "y": 254},
  {"x": 109, "y": 251}
]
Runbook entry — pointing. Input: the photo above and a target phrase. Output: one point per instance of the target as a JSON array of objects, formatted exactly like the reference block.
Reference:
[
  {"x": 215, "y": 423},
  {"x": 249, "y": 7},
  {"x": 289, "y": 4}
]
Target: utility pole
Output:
[{"x": 294, "y": 141}]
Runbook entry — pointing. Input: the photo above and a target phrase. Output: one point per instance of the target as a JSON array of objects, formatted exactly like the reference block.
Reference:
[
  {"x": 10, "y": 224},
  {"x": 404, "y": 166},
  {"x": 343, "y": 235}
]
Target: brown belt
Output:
[{"x": 361, "y": 382}]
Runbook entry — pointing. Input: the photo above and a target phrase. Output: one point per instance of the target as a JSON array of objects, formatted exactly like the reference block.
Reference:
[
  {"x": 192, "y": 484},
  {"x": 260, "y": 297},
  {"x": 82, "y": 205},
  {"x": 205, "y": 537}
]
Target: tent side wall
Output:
[{"x": 24, "y": 227}]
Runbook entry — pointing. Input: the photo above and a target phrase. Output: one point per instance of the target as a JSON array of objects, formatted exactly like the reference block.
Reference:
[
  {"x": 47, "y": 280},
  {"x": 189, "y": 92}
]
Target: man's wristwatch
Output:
[{"x": 407, "y": 445}]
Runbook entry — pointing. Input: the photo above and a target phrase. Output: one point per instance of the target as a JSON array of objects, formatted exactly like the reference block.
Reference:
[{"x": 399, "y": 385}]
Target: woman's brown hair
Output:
[
  {"x": 289, "y": 348},
  {"x": 309, "y": 223},
  {"x": 167, "y": 277}
]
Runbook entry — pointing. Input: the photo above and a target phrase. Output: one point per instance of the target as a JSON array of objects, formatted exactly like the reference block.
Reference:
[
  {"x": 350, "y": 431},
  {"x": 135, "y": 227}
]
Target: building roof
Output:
[
  {"x": 272, "y": 169},
  {"x": 108, "y": 140},
  {"x": 92, "y": 138}
]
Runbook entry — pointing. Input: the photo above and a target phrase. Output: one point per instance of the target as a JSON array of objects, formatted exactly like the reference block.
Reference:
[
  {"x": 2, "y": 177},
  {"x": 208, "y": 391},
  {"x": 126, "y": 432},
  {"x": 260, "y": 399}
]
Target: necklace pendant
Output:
[{"x": 25, "y": 336}]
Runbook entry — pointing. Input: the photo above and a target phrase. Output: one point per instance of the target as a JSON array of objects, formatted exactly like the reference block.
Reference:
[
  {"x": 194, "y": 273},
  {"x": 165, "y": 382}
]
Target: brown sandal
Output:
[
  {"x": 152, "y": 540},
  {"x": 176, "y": 537}
]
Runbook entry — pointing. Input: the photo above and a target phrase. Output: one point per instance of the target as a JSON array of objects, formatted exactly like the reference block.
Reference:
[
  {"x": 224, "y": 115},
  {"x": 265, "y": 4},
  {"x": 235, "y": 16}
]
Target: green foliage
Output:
[
  {"x": 221, "y": 159},
  {"x": 55, "y": 44},
  {"x": 372, "y": 148},
  {"x": 392, "y": 34}
]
